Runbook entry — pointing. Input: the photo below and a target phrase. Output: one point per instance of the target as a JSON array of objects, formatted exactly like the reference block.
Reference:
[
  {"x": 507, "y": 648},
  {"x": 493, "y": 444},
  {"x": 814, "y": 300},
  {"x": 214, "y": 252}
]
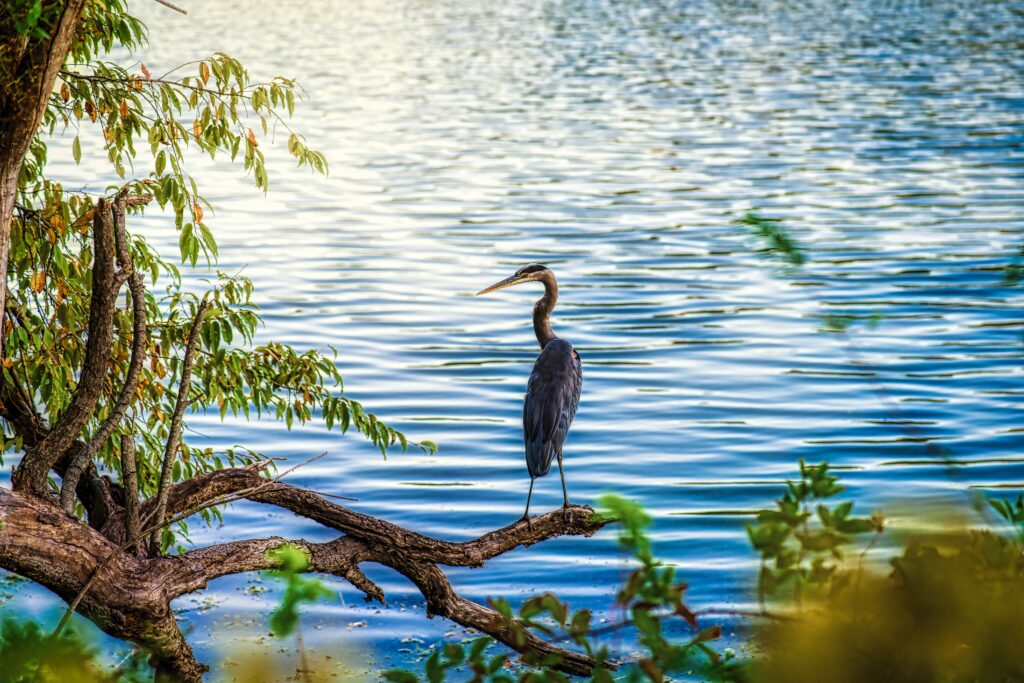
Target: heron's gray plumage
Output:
[
  {"x": 553, "y": 392},
  {"x": 552, "y": 396}
]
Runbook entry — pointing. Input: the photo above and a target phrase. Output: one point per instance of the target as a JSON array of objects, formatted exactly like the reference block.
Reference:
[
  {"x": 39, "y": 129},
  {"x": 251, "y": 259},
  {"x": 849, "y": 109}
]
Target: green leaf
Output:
[{"x": 400, "y": 676}]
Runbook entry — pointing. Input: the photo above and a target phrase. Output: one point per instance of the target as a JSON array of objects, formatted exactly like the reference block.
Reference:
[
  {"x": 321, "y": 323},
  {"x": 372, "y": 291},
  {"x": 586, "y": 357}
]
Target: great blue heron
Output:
[{"x": 553, "y": 392}]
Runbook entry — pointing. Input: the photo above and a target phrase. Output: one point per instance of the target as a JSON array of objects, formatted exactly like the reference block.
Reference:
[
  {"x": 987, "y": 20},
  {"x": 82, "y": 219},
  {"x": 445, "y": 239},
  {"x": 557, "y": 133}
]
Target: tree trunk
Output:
[{"x": 28, "y": 69}]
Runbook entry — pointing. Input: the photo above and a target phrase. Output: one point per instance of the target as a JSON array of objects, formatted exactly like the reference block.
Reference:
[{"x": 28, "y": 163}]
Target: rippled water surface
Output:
[{"x": 619, "y": 143}]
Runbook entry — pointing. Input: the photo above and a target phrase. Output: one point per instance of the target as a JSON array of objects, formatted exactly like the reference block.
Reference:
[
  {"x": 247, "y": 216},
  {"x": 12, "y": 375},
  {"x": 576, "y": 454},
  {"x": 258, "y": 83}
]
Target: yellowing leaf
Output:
[
  {"x": 197, "y": 128},
  {"x": 8, "y": 363},
  {"x": 145, "y": 72},
  {"x": 252, "y": 138},
  {"x": 90, "y": 109},
  {"x": 124, "y": 109},
  {"x": 65, "y": 92},
  {"x": 204, "y": 72},
  {"x": 83, "y": 221},
  {"x": 38, "y": 282},
  {"x": 198, "y": 211}
]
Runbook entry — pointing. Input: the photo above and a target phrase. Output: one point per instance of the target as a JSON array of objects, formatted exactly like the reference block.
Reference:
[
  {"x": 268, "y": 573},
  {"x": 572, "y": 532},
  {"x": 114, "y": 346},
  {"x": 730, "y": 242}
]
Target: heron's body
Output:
[
  {"x": 552, "y": 395},
  {"x": 553, "y": 391}
]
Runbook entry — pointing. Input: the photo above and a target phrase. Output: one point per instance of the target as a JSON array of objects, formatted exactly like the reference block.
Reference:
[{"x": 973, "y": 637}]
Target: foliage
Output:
[
  {"x": 776, "y": 239},
  {"x": 32, "y": 655},
  {"x": 292, "y": 561},
  {"x": 652, "y": 596},
  {"x": 950, "y": 611},
  {"x": 800, "y": 549},
  {"x": 1012, "y": 513},
  {"x": 148, "y": 124},
  {"x": 840, "y": 323}
]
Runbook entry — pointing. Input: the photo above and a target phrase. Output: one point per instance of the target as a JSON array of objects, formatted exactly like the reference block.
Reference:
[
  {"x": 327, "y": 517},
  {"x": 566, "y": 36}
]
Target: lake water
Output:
[{"x": 619, "y": 142}]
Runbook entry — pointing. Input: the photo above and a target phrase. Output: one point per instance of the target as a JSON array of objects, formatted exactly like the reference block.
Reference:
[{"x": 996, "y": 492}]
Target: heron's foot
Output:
[
  {"x": 529, "y": 522},
  {"x": 565, "y": 512}
]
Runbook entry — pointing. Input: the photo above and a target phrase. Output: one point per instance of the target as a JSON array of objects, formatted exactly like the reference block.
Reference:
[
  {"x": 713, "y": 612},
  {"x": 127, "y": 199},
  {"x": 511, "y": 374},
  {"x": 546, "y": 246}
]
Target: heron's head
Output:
[{"x": 528, "y": 273}]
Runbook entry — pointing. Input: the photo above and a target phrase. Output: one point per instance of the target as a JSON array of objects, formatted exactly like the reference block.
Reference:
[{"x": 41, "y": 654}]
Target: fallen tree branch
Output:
[
  {"x": 155, "y": 528},
  {"x": 309, "y": 504}
]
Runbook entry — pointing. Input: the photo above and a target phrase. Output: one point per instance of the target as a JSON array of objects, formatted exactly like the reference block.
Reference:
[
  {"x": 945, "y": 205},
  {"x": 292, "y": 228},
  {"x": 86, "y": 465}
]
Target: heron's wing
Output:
[{"x": 552, "y": 396}]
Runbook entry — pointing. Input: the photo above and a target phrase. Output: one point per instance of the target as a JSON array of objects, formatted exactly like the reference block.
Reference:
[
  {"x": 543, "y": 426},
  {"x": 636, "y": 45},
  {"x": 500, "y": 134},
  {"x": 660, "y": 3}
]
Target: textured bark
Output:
[
  {"x": 83, "y": 458},
  {"x": 174, "y": 432},
  {"x": 129, "y": 596},
  {"x": 28, "y": 70},
  {"x": 34, "y": 468},
  {"x": 129, "y": 599},
  {"x": 131, "y": 490}
]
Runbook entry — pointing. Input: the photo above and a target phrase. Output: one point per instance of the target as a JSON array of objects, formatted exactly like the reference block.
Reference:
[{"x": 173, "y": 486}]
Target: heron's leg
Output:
[
  {"x": 565, "y": 494},
  {"x": 526, "y": 515}
]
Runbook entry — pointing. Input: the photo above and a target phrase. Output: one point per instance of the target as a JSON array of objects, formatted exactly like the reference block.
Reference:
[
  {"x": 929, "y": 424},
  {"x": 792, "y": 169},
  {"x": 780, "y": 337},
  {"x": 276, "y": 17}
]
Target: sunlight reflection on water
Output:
[{"x": 618, "y": 143}]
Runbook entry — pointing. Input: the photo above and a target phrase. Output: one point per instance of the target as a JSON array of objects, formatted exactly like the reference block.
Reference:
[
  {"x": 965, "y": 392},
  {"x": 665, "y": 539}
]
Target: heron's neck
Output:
[{"x": 542, "y": 310}]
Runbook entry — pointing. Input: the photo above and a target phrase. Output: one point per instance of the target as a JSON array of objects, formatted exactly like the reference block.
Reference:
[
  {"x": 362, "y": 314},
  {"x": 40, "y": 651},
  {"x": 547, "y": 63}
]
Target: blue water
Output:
[{"x": 618, "y": 142}]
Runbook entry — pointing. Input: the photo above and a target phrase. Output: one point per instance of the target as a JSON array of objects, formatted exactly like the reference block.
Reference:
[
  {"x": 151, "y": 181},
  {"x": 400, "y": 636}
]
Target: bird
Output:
[{"x": 553, "y": 391}]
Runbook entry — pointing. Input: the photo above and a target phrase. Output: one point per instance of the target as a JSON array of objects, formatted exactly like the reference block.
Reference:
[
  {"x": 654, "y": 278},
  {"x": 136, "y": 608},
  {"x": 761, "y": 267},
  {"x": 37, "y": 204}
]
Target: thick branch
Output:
[
  {"x": 375, "y": 540},
  {"x": 127, "y": 272},
  {"x": 376, "y": 532},
  {"x": 442, "y": 600},
  {"x": 174, "y": 435},
  {"x": 96, "y": 493},
  {"x": 128, "y": 600},
  {"x": 96, "y": 577},
  {"x": 32, "y": 473},
  {"x": 411, "y": 554}
]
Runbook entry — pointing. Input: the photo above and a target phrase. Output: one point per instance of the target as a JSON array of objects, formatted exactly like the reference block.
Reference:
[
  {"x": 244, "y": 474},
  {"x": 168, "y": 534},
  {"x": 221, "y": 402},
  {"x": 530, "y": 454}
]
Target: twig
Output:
[
  {"x": 174, "y": 436},
  {"x": 220, "y": 500},
  {"x": 172, "y": 6}
]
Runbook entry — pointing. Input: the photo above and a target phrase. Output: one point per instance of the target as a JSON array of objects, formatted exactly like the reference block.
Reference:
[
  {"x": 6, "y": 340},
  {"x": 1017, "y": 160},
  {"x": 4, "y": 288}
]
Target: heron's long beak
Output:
[{"x": 507, "y": 282}]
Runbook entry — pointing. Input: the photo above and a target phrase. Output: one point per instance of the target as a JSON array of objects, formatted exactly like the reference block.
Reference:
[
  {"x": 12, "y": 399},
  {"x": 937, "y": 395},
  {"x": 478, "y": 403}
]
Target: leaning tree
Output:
[{"x": 105, "y": 354}]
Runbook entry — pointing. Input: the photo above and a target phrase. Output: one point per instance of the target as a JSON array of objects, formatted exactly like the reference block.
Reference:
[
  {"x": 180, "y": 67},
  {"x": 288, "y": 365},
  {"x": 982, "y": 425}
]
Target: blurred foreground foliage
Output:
[
  {"x": 946, "y": 608},
  {"x": 30, "y": 654}
]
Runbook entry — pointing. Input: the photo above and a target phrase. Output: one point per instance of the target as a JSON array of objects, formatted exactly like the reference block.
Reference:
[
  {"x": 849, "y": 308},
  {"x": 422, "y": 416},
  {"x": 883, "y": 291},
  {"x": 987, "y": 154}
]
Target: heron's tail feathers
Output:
[{"x": 539, "y": 457}]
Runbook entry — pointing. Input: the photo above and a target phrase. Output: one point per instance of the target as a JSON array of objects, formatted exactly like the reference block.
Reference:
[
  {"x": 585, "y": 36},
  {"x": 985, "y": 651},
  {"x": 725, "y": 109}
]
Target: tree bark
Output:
[
  {"x": 28, "y": 70},
  {"x": 33, "y": 470},
  {"x": 130, "y": 595},
  {"x": 126, "y": 397}
]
